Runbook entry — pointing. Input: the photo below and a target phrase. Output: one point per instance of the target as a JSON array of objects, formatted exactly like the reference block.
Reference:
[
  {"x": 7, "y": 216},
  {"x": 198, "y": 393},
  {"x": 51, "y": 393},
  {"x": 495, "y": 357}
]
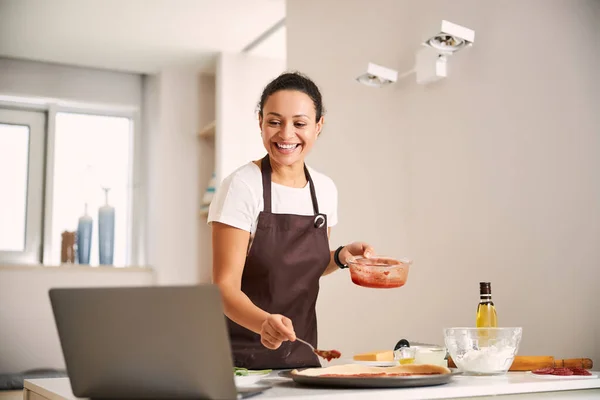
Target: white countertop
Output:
[{"x": 526, "y": 385}]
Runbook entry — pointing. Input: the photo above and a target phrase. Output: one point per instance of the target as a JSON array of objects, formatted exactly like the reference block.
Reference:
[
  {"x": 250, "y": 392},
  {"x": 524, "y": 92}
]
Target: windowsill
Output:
[{"x": 76, "y": 267}]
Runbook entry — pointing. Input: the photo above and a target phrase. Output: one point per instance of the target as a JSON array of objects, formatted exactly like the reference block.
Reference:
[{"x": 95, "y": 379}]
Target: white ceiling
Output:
[{"x": 137, "y": 35}]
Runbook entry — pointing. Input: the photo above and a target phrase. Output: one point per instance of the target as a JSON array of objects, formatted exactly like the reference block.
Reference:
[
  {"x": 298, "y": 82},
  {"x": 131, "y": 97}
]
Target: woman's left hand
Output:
[{"x": 356, "y": 249}]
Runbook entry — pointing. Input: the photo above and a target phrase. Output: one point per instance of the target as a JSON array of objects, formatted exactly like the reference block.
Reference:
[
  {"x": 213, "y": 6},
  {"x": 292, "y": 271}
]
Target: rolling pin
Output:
[{"x": 530, "y": 363}]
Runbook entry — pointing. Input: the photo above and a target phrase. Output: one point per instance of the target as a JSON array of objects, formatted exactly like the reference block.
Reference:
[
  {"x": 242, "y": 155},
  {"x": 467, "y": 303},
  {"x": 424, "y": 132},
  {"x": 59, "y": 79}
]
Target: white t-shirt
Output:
[{"x": 239, "y": 199}]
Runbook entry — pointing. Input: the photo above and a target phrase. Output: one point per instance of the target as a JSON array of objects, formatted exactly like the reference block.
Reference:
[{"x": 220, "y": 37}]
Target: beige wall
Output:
[
  {"x": 206, "y": 166},
  {"x": 171, "y": 123},
  {"x": 240, "y": 80},
  {"x": 28, "y": 335},
  {"x": 32, "y": 79},
  {"x": 492, "y": 174}
]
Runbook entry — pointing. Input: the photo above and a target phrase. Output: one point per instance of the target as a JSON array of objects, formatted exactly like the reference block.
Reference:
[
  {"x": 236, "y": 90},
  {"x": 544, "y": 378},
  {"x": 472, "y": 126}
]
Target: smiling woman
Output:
[
  {"x": 271, "y": 220},
  {"x": 290, "y": 140}
]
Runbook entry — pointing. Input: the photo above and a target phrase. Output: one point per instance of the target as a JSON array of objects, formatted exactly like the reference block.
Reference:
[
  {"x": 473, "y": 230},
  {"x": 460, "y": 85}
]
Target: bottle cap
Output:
[{"x": 485, "y": 288}]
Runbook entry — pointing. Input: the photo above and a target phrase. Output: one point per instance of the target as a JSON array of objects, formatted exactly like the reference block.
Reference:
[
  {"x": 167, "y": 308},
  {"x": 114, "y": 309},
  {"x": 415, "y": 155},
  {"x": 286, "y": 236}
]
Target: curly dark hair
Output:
[{"x": 293, "y": 81}]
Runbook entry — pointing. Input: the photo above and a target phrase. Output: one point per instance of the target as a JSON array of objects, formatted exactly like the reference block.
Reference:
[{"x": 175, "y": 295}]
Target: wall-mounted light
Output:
[
  {"x": 378, "y": 76},
  {"x": 451, "y": 38},
  {"x": 430, "y": 62}
]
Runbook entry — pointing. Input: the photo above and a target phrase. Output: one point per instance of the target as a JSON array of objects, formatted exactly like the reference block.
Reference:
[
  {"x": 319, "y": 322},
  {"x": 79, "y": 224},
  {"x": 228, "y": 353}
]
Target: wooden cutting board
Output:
[{"x": 530, "y": 363}]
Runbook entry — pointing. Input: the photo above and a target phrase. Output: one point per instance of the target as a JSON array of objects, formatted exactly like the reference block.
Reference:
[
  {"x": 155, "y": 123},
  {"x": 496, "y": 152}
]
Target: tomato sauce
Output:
[
  {"x": 377, "y": 283},
  {"x": 328, "y": 354}
]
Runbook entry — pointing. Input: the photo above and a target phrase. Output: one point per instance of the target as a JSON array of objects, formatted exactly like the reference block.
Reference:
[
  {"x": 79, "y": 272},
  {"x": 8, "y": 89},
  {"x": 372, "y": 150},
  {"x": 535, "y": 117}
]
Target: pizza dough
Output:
[{"x": 356, "y": 370}]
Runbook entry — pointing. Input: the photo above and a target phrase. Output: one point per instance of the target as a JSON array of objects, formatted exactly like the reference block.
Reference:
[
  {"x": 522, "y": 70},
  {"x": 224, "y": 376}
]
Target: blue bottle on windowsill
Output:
[
  {"x": 84, "y": 237},
  {"x": 106, "y": 231}
]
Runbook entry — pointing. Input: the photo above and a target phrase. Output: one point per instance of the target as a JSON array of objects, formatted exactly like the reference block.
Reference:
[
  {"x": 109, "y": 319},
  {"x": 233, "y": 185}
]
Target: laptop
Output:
[{"x": 146, "y": 342}]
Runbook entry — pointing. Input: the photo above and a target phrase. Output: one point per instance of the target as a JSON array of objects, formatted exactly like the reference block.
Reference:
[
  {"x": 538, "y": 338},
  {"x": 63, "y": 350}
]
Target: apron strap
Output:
[
  {"x": 266, "y": 180},
  {"x": 313, "y": 194}
]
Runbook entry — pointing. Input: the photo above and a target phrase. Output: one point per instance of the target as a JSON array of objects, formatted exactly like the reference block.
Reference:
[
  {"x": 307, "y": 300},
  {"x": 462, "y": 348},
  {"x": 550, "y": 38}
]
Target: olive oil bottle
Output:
[{"x": 486, "y": 311}]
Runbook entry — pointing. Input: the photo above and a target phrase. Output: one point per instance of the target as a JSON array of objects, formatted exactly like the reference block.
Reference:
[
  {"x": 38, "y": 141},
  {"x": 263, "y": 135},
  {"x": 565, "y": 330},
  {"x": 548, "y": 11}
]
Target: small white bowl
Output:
[
  {"x": 251, "y": 379},
  {"x": 430, "y": 355}
]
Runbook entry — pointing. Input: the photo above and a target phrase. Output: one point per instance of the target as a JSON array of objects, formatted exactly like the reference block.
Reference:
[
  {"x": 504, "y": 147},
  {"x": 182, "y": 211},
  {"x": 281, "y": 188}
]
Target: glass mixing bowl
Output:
[
  {"x": 483, "y": 351},
  {"x": 379, "y": 272}
]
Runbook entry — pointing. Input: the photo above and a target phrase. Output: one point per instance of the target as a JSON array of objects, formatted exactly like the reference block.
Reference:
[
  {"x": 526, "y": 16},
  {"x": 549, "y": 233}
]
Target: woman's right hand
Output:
[{"x": 275, "y": 330}]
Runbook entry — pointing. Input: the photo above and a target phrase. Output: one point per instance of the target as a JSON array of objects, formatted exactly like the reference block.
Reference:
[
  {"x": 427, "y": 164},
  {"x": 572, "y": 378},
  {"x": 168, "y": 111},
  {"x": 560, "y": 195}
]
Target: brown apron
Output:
[{"x": 288, "y": 255}]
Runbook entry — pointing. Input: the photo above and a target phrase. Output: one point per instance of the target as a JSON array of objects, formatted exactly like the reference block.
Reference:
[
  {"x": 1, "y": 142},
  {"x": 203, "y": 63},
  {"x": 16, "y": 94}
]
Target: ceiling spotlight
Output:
[
  {"x": 446, "y": 43},
  {"x": 378, "y": 76},
  {"x": 451, "y": 38},
  {"x": 431, "y": 62}
]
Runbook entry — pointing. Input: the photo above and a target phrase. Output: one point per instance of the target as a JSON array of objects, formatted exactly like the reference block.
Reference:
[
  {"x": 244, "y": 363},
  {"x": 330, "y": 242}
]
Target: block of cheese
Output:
[{"x": 386, "y": 355}]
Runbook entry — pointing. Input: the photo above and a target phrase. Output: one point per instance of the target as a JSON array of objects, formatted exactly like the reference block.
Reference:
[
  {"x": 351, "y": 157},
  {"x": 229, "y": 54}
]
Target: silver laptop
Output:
[{"x": 146, "y": 342}]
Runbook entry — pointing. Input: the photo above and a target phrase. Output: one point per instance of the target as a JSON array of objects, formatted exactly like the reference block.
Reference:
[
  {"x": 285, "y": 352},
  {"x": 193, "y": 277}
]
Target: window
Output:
[
  {"x": 92, "y": 152},
  {"x": 14, "y": 162},
  {"x": 54, "y": 163},
  {"x": 21, "y": 185}
]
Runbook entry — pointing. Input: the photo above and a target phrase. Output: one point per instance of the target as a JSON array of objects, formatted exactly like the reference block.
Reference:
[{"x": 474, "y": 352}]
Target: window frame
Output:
[
  {"x": 36, "y": 121},
  {"x": 136, "y": 237}
]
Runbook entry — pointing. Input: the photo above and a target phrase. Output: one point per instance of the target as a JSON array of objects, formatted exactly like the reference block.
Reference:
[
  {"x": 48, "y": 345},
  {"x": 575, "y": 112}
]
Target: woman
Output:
[{"x": 271, "y": 220}]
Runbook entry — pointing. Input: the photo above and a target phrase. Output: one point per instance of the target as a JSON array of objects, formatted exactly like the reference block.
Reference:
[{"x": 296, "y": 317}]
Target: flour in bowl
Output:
[{"x": 487, "y": 360}]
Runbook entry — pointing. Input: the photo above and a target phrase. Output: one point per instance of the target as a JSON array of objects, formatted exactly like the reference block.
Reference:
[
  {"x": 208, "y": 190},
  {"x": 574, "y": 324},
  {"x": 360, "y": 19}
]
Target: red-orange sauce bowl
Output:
[{"x": 379, "y": 272}]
